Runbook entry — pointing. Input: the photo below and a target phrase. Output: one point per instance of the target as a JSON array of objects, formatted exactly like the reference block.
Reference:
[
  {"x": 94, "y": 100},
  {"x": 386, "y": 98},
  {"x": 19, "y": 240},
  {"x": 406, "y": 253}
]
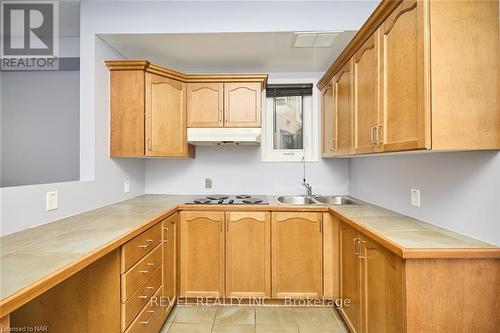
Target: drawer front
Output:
[
  {"x": 138, "y": 247},
  {"x": 151, "y": 318},
  {"x": 140, "y": 298},
  {"x": 140, "y": 272}
]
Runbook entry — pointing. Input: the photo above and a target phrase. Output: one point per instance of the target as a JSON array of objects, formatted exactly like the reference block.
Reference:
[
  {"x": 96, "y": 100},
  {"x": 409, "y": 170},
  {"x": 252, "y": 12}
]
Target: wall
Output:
[
  {"x": 40, "y": 125},
  {"x": 460, "y": 191},
  {"x": 24, "y": 206},
  {"x": 101, "y": 178}
]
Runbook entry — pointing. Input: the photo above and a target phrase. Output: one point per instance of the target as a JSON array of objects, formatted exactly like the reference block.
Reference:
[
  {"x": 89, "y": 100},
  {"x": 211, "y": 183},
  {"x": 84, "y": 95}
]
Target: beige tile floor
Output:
[{"x": 247, "y": 319}]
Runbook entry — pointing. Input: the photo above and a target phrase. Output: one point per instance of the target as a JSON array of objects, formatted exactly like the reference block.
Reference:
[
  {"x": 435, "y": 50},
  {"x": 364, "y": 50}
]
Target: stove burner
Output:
[
  {"x": 252, "y": 201},
  {"x": 202, "y": 201},
  {"x": 217, "y": 197},
  {"x": 243, "y": 196}
]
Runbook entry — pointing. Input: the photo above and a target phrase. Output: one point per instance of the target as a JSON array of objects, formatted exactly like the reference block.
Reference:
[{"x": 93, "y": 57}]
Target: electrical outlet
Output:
[
  {"x": 126, "y": 186},
  {"x": 415, "y": 197},
  {"x": 52, "y": 200},
  {"x": 208, "y": 183}
]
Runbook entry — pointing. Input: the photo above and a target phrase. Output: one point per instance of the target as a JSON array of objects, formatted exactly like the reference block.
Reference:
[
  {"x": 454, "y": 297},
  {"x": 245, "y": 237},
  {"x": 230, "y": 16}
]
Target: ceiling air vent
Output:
[{"x": 315, "y": 39}]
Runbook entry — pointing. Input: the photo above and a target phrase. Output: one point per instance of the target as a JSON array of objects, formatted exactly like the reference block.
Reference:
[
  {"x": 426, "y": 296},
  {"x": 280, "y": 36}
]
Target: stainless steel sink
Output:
[
  {"x": 336, "y": 200},
  {"x": 318, "y": 200},
  {"x": 297, "y": 200}
]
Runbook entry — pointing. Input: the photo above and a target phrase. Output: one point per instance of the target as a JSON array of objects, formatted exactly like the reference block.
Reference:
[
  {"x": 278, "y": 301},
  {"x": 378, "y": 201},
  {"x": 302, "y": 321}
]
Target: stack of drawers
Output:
[{"x": 141, "y": 282}]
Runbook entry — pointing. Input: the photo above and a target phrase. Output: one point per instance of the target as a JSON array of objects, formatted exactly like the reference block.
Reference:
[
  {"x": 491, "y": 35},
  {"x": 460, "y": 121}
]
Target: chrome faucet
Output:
[{"x": 304, "y": 182}]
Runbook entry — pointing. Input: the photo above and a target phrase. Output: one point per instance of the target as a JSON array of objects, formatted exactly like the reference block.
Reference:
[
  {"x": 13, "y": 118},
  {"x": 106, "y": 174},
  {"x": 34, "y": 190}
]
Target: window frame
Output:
[{"x": 310, "y": 127}]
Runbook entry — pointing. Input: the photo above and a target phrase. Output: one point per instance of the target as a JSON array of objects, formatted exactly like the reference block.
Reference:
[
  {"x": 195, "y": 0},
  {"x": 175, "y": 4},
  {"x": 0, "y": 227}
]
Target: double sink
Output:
[{"x": 318, "y": 200}]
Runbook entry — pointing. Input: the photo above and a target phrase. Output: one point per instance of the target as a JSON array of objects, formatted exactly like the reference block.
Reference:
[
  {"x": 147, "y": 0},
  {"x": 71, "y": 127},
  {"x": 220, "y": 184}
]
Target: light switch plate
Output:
[
  {"x": 415, "y": 197},
  {"x": 126, "y": 186},
  {"x": 52, "y": 200}
]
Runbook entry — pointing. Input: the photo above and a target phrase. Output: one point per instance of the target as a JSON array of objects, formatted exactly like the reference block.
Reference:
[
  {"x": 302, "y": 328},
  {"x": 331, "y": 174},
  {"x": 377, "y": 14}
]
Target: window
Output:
[{"x": 290, "y": 122}]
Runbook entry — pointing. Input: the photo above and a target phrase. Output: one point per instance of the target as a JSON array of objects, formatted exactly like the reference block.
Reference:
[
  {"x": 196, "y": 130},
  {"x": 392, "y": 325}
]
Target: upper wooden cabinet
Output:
[
  {"x": 296, "y": 255},
  {"x": 152, "y": 107},
  {"x": 343, "y": 110},
  {"x": 201, "y": 254},
  {"x": 366, "y": 96},
  {"x": 205, "y": 104},
  {"x": 242, "y": 104},
  {"x": 248, "y": 254},
  {"x": 327, "y": 121},
  {"x": 416, "y": 86}
]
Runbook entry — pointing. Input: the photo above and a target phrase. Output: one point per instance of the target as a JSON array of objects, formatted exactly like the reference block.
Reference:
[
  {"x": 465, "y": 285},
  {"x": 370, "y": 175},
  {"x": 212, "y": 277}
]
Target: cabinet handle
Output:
[
  {"x": 356, "y": 243},
  {"x": 166, "y": 238},
  {"x": 149, "y": 144},
  {"x": 359, "y": 255},
  {"x": 378, "y": 134},
  {"x": 372, "y": 134},
  {"x": 146, "y": 245},
  {"x": 150, "y": 264},
  {"x": 143, "y": 296},
  {"x": 220, "y": 115},
  {"x": 149, "y": 319},
  {"x": 320, "y": 226}
]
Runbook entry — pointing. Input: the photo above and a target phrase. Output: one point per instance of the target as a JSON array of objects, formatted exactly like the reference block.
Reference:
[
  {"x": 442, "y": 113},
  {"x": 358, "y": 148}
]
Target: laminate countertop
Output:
[{"x": 35, "y": 259}]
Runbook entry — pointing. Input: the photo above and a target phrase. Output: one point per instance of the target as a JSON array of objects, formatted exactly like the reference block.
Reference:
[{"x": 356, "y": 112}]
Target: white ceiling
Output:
[{"x": 228, "y": 52}]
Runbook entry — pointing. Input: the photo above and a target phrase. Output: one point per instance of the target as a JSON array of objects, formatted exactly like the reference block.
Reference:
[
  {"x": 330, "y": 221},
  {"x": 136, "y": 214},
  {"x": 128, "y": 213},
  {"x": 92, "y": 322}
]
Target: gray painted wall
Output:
[
  {"x": 459, "y": 191},
  {"x": 40, "y": 127}
]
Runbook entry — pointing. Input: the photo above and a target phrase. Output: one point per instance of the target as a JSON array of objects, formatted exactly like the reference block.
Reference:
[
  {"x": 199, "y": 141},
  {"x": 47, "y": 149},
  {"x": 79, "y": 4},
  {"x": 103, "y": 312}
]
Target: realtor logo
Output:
[{"x": 29, "y": 32}]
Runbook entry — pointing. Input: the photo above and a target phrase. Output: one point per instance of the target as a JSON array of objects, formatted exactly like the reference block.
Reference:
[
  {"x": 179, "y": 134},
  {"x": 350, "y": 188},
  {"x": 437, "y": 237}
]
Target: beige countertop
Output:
[{"x": 29, "y": 257}]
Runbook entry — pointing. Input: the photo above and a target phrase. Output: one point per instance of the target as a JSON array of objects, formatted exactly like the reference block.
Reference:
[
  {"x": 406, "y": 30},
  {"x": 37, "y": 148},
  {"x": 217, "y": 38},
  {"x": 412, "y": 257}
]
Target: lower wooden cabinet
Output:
[
  {"x": 201, "y": 254},
  {"x": 372, "y": 279},
  {"x": 248, "y": 254},
  {"x": 296, "y": 255},
  {"x": 169, "y": 238}
]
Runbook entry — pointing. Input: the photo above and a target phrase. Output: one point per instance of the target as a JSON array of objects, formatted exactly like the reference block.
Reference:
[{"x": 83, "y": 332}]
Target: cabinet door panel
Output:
[
  {"x": 202, "y": 254},
  {"x": 405, "y": 123},
  {"x": 248, "y": 254},
  {"x": 350, "y": 277},
  {"x": 165, "y": 117},
  {"x": 205, "y": 104},
  {"x": 366, "y": 102},
  {"x": 327, "y": 120},
  {"x": 242, "y": 103},
  {"x": 382, "y": 288},
  {"x": 170, "y": 259},
  {"x": 297, "y": 255},
  {"x": 343, "y": 106}
]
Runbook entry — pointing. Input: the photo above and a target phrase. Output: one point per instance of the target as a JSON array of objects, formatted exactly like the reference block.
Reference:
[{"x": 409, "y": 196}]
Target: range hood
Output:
[{"x": 223, "y": 136}]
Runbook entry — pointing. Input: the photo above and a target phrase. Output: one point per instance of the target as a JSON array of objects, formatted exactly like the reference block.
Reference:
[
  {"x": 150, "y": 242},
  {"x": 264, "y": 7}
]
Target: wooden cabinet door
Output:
[
  {"x": 248, "y": 254},
  {"x": 366, "y": 96},
  {"x": 405, "y": 117},
  {"x": 327, "y": 120},
  {"x": 296, "y": 255},
  {"x": 201, "y": 254},
  {"x": 350, "y": 277},
  {"x": 343, "y": 108},
  {"x": 205, "y": 104},
  {"x": 242, "y": 103},
  {"x": 170, "y": 260},
  {"x": 382, "y": 289},
  {"x": 166, "y": 133}
]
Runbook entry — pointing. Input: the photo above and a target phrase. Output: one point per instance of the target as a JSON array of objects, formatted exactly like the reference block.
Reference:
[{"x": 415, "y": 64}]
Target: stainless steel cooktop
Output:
[{"x": 219, "y": 199}]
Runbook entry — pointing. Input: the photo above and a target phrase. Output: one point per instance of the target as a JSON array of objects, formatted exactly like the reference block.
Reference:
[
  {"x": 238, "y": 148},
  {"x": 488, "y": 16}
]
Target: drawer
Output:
[
  {"x": 140, "y": 298},
  {"x": 140, "y": 272},
  {"x": 138, "y": 247},
  {"x": 151, "y": 318}
]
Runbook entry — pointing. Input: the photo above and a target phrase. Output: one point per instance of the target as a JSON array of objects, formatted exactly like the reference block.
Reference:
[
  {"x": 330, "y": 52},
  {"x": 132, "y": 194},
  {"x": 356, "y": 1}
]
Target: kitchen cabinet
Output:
[
  {"x": 205, "y": 103},
  {"x": 366, "y": 96},
  {"x": 414, "y": 78},
  {"x": 148, "y": 115},
  {"x": 327, "y": 121},
  {"x": 404, "y": 118},
  {"x": 242, "y": 104},
  {"x": 201, "y": 254},
  {"x": 331, "y": 257},
  {"x": 343, "y": 110},
  {"x": 296, "y": 255},
  {"x": 248, "y": 254},
  {"x": 169, "y": 238},
  {"x": 372, "y": 279}
]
